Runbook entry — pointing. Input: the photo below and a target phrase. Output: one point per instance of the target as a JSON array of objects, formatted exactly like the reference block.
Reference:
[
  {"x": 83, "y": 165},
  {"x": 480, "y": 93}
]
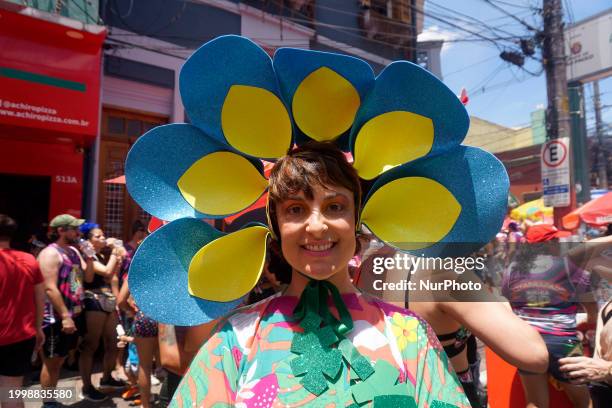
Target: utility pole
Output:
[
  {"x": 602, "y": 166},
  {"x": 557, "y": 113},
  {"x": 414, "y": 33}
]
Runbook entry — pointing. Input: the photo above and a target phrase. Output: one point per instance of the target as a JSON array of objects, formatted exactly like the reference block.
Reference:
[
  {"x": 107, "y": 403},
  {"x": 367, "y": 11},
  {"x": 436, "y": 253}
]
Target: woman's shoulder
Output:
[
  {"x": 245, "y": 320},
  {"x": 399, "y": 317}
]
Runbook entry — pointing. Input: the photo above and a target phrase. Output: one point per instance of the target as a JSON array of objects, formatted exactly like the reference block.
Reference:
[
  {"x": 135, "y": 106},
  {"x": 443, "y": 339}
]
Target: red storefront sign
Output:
[
  {"x": 62, "y": 163},
  {"x": 49, "y": 74}
]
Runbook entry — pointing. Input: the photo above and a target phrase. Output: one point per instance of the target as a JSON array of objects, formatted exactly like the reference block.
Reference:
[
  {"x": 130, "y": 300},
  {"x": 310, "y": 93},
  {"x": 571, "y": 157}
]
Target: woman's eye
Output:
[
  {"x": 294, "y": 210},
  {"x": 336, "y": 207}
]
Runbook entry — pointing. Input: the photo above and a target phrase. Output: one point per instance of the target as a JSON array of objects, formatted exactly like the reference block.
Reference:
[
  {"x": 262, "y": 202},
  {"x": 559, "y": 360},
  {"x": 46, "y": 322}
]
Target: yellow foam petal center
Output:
[
  {"x": 411, "y": 212},
  {"x": 228, "y": 267},
  {"x": 324, "y": 105},
  {"x": 391, "y": 139},
  {"x": 221, "y": 183},
  {"x": 255, "y": 121}
]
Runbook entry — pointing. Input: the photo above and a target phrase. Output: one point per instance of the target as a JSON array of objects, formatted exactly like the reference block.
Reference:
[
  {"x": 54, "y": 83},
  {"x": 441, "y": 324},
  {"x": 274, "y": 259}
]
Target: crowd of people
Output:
[
  {"x": 66, "y": 302},
  {"x": 74, "y": 296}
]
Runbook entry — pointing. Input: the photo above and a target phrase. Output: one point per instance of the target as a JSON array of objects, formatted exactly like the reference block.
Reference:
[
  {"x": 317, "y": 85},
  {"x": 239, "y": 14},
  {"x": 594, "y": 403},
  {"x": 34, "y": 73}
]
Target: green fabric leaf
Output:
[
  {"x": 382, "y": 382},
  {"x": 440, "y": 404},
  {"x": 394, "y": 401}
]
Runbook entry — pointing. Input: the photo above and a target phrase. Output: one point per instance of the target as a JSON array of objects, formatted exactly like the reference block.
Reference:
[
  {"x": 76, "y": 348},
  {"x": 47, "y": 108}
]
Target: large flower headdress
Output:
[{"x": 430, "y": 195}]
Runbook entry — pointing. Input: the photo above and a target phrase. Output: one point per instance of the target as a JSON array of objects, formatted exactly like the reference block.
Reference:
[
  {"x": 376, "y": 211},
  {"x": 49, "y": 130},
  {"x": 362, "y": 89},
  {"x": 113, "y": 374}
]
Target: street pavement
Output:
[{"x": 71, "y": 380}]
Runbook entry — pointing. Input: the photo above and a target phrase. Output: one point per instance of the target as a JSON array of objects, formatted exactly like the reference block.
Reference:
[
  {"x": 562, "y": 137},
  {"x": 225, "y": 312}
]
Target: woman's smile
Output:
[{"x": 319, "y": 249}]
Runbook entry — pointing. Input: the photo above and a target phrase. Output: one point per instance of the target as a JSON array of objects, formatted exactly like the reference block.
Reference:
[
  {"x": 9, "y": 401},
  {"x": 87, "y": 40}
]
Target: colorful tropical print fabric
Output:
[{"x": 247, "y": 363}]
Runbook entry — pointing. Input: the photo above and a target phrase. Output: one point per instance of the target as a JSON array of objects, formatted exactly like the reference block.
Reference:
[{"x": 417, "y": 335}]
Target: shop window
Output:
[
  {"x": 115, "y": 125},
  {"x": 113, "y": 217},
  {"x": 134, "y": 127},
  {"x": 120, "y": 129},
  {"x": 146, "y": 126},
  {"x": 115, "y": 196}
]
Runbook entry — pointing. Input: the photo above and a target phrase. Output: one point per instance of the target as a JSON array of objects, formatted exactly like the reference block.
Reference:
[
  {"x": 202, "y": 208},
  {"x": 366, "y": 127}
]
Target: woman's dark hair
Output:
[
  {"x": 277, "y": 264},
  {"x": 8, "y": 227},
  {"x": 138, "y": 226}
]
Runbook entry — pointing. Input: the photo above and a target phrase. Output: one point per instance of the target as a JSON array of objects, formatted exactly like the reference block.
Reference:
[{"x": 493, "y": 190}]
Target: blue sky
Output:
[{"x": 509, "y": 94}]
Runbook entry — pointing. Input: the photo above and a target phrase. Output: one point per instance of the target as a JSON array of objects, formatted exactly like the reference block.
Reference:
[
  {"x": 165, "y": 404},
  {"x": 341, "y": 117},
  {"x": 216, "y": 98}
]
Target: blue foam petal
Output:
[
  {"x": 159, "y": 270},
  {"x": 404, "y": 86},
  {"x": 156, "y": 162},
  {"x": 479, "y": 182},
  {"x": 292, "y": 65},
  {"x": 208, "y": 74}
]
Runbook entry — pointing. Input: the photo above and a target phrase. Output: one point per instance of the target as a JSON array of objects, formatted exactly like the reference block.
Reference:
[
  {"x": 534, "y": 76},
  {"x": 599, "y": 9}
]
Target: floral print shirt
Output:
[{"x": 245, "y": 364}]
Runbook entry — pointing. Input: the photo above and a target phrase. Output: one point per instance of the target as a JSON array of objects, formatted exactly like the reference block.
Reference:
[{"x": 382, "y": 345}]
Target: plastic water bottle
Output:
[
  {"x": 87, "y": 248},
  {"x": 120, "y": 333}
]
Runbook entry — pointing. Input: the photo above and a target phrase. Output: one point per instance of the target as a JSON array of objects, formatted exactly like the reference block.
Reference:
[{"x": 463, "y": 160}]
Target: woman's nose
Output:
[{"x": 316, "y": 223}]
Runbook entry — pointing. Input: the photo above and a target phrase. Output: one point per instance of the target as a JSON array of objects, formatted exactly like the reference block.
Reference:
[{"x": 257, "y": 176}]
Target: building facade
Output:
[
  {"x": 148, "y": 42},
  {"x": 49, "y": 111},
  {"x": 86, "y": 78}
]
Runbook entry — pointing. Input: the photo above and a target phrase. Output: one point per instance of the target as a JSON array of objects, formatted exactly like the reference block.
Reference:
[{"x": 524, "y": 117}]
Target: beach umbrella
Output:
[
  {"x": 532, "y": 210},
  {"x": 597, "y": 212}
]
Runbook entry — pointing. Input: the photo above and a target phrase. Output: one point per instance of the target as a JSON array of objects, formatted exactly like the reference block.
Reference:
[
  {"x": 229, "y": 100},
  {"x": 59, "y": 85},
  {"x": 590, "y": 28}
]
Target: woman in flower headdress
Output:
[{"x": 319, "y": 342}]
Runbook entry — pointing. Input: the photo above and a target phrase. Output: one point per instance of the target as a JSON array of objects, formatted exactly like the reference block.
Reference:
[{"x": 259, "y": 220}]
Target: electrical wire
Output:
[
  {"x": 531, "y": 8},
  {"x": 486, "y": 80},
  {"x": 470, "y": 19},
  {"x": 506, "y": 12},
  {"x": 470, "y": 66}
]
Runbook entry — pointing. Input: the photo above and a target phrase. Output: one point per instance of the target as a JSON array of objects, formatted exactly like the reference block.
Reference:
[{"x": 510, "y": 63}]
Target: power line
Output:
[
  {"x": 486, "y": 80},
  {"x": 516, "y": 5},
  {"x": 471, "y": 19},
  {"x": 506, "y": 12},
  {"x": 470, "y": 66}
]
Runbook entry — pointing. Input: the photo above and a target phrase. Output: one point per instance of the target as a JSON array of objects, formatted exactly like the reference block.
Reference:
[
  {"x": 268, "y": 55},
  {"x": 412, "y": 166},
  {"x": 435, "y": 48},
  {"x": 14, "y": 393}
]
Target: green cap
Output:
[{"x": 65, "y": 220}]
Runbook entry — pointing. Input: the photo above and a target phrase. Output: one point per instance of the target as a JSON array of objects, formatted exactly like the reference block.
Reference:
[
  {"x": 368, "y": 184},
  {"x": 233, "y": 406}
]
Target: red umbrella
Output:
[
  {"x": 155, "y": 223},
  {"x": 116, "y": 180},
  {"x": 596, "y": 212}
]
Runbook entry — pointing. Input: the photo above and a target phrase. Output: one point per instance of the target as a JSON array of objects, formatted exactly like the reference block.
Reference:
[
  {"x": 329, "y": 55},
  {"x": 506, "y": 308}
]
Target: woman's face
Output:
[
  {"x": 318, "y": 234},
  {"x": 97, "y": 239}
]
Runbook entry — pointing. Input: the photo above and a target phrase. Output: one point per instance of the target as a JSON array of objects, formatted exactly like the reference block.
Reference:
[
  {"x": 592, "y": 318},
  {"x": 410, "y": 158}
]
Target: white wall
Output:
[{"x": 135, "y": 95}]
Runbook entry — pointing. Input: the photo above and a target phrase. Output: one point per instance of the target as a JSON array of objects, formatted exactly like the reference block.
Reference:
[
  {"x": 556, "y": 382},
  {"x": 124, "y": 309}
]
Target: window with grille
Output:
[{"x": 116, "y": 209}]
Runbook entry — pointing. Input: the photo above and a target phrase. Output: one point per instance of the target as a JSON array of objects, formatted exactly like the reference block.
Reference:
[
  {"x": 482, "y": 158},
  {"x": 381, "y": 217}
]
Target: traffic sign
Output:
[{"x": 556, "y": 172}]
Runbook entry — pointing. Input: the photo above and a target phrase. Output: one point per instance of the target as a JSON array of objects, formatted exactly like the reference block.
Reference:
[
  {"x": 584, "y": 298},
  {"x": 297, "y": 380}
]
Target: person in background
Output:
[
  {"x": 596, "y": 371},
  {"x": 144, "y": 331},
  {"x": 23, "y": 297},
  {"x": 458, "y": 317},
  {"x": 63, "y": 269},
  {"x": 178, "y": 345},
  {"x": 139, "y": 233},
  {"x": 100, "y": 311},
  {"x": 546, "y": 289}
]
